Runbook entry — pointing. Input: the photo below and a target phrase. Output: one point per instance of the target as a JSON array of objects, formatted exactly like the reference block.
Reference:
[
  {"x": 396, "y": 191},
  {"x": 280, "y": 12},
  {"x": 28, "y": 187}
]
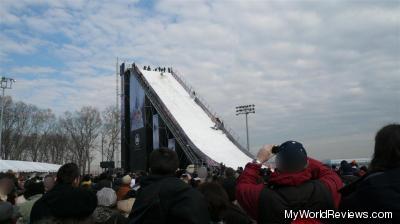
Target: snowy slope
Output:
[{"x": 194, "y": 121}]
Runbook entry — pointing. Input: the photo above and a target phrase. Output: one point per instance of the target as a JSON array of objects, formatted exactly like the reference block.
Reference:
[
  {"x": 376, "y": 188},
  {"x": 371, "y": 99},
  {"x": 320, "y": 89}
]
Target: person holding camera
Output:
[{"x": 298, "y": 183}]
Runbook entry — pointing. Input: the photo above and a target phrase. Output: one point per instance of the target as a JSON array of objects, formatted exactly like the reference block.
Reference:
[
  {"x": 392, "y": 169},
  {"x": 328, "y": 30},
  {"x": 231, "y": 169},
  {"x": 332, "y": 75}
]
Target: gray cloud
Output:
[{"x": 326, "y": 73}]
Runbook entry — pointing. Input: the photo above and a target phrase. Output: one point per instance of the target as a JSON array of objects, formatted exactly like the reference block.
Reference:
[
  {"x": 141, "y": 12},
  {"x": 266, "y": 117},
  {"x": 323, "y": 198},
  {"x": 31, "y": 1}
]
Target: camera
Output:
[{"x": 275, "y": 149}]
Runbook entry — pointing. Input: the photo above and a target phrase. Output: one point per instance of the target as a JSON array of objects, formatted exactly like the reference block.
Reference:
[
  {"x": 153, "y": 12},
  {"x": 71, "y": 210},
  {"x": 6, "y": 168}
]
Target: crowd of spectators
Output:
[{"x": 199, "y": 194}]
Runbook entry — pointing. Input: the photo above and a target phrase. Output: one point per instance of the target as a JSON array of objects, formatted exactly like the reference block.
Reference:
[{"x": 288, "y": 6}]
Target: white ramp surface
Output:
[{"x": 194, "y": 121}]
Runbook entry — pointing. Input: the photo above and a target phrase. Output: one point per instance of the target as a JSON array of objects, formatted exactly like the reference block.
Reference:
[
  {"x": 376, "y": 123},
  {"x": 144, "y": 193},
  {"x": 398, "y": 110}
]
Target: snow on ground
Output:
[{"x": 194, "y": 121}]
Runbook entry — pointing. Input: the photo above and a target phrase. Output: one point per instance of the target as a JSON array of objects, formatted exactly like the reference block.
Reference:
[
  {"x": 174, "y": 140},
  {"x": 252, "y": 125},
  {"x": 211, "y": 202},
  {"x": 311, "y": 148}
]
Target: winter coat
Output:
[
  {"x": 106, "y": 215},
  {"x": 54, "y": 220},
  {"x": 234, "y": 215},
  {"x": 165, "y": 199},
  {"x": 122, "y": 191},
  {"x": 6, "y": 212},
  {"x": 64, "y": 201},
  {"x": 348, "y": 179},
  {"x": 374, "y": 192},
  {"x": 26, "y": 207},
  {"x": 251, "y": 191},
  {"x": 229, "y": 184}
]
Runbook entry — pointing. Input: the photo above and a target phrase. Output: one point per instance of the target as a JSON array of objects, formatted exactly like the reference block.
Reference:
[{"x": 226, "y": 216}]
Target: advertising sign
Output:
[
  {"x": 136, "y": 94},
  {"x": 156, "y": 132},
  {"x": 171, "y": 143}
]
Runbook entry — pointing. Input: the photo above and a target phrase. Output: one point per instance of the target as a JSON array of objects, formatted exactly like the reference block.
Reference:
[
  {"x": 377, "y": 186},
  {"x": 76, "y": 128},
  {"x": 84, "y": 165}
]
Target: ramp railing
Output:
[{"x": 228, "y": 131}]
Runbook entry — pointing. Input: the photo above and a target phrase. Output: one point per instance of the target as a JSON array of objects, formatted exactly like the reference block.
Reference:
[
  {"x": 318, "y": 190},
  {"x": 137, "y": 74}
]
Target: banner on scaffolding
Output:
[
  {"x": 171, "y": 144},
  {"x": 156, "y": 132}
]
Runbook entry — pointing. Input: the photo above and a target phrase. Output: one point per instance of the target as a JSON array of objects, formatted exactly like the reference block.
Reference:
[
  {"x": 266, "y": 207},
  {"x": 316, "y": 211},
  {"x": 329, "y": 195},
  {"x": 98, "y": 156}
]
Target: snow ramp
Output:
[{"x": 186, "y": 115}]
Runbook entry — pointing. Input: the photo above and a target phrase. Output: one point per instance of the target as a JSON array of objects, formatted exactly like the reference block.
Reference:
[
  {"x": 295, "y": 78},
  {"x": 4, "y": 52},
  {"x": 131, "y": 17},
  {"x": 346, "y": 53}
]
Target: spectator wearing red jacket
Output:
[{"x": 299, "y": 183}]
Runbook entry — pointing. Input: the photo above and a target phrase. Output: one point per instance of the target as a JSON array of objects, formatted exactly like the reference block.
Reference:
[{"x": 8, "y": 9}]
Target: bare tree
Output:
[
  {"x": 8, "y": 124},
  {"x": 32, "y": 133},
  {"x": 110, "y": 132},
  {"x": 19, "y": 126},
  {"x": 59, "y": 145},
  {"x": 41, "y": 124},
  {"x": 83, "y": 127}
]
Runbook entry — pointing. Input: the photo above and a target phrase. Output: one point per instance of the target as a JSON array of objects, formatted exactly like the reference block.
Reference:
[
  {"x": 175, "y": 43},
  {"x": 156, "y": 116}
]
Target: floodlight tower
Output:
[
  {"x": 246, "y": 110},
  {"x": 5, "y": 83}
]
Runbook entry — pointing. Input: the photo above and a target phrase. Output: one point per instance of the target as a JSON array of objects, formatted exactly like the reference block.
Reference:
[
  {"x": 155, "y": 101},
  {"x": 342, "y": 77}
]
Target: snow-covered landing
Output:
[{"x": 194, "y": 121}]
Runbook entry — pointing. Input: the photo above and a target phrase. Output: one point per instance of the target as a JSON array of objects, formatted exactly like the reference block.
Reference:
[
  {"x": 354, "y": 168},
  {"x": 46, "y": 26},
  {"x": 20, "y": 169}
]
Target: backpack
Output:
[
  {"x": 148, "y": 208},
  {"x": 274, "y": 200}
]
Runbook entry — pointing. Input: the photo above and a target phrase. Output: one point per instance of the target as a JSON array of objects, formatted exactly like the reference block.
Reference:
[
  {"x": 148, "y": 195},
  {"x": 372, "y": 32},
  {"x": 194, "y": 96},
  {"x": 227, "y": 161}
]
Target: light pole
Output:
[
  {"x": 5, "y": 83},
  {"x": 246, "y": 110}
]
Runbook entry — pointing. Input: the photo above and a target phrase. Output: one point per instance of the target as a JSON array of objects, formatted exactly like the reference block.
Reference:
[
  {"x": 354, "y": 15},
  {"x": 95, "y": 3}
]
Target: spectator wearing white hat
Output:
[{"x": 105, "y": 212}]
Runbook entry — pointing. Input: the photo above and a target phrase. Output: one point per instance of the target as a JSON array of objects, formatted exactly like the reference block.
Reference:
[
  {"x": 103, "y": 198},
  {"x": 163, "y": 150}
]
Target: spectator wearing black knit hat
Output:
[{"x": 347, "y": 173}]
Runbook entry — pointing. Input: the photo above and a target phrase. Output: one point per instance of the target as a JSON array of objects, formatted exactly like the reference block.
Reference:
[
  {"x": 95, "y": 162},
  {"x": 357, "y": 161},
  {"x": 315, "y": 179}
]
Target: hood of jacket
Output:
[
  {"x": 67, "y": 201},
  {"x": 151, "y": 179},
  {"x": 291, "y": 179},
  {"x": 102, "y": 214}
]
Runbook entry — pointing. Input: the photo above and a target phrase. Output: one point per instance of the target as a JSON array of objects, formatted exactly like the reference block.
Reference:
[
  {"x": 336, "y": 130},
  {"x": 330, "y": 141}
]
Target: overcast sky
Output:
[{"x": 326, "y": 73}]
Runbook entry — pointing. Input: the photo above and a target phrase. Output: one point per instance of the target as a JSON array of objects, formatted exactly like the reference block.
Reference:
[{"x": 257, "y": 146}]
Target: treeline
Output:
[{"x": 34, "y": 134}]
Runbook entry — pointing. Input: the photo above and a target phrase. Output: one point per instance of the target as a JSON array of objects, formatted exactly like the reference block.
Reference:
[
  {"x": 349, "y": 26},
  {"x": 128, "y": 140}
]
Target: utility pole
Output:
[
  {"x": 5, "y": 83},
  {"x": 116, "y": 117},
  {"x": 102, "y": 147},
  {"x": 246, "y": 110}
]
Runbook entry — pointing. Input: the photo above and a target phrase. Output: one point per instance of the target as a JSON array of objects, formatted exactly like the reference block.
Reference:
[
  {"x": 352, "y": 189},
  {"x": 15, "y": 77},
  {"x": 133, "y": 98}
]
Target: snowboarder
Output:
[{"x": 218, "y": 124}]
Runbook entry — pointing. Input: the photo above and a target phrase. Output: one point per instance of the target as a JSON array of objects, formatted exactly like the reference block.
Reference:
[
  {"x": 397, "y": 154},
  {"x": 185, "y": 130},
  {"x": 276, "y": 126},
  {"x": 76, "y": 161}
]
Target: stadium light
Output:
[
  {"x": 246, "y": 110},
  {"x": 5, "y": 83}
]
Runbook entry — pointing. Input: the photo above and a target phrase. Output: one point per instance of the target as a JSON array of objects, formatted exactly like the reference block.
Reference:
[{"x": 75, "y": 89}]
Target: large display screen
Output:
[
  {"x": 138, "y": 151},
  {"x": 136, "y": 93}
]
